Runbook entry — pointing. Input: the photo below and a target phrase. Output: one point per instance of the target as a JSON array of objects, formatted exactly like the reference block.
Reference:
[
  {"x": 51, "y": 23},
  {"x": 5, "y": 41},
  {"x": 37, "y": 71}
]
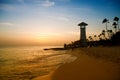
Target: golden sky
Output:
[{"x": 52, "y": 22}]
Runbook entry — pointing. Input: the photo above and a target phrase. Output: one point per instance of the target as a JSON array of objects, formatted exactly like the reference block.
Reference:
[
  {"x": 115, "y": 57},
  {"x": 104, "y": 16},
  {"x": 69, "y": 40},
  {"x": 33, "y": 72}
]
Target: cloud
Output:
[
  {"x": 48, "y": 3},
  {"x": 3, "y": 24},
  {"x": 63, "y": 19}
]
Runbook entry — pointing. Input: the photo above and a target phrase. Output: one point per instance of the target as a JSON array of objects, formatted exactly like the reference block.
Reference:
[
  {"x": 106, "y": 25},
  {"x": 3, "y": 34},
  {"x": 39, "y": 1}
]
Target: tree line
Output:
[{"x": 107, "y": 37}]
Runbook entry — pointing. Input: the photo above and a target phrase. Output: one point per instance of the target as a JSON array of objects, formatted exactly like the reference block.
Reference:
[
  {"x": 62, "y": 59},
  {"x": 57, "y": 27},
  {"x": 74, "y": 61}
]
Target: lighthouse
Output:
[{"x": 83, "y": 42}]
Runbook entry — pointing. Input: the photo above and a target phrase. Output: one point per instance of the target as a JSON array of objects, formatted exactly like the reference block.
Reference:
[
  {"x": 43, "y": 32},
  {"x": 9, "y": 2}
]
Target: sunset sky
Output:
[{"x": 52, "y": 22}]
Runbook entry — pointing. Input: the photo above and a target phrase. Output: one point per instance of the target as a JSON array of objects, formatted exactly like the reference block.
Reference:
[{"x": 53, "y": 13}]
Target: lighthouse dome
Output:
[{"x": 82, "y": 24}]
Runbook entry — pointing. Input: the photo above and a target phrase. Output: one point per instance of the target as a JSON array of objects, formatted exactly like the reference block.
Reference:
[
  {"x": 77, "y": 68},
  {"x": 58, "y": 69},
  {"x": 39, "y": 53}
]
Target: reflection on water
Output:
[{"x": 25, "y": 63}]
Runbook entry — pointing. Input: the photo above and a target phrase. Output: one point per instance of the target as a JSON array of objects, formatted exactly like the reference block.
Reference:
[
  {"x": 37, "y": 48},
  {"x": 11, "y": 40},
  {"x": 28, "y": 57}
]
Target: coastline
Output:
[
  {"x": 54, "y": 49},
  {"x": 98, "y": 63}
]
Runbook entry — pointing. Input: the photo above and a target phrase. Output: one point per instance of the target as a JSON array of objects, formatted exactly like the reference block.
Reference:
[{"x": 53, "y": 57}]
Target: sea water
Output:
[{"x": 28, "y": 62}]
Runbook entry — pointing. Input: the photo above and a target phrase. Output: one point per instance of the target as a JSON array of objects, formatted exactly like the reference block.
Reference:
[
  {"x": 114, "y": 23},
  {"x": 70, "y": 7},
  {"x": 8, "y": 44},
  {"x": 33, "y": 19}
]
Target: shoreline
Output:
[
  {"x": 54, "y": 49},
  {"x": 89, "y": 65}
]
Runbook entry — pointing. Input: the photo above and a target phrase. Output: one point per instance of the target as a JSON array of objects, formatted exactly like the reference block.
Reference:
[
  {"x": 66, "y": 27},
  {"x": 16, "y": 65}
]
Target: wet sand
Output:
[{"x": 101, "y": 63}]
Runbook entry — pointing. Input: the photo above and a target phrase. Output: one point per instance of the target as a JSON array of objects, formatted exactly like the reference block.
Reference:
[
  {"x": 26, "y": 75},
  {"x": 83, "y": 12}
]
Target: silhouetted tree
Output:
[
  {"x": 99, "y": 36},
  {"x": 95, "y": 37},
  {"x": 103, "y": 33},
  {"x": 105, "y": 21},
  {"x": 65, "y": 45},
  {"x": 90, "y": 37},
  {"x": 115, "y": 26},
  {"x": 117, "y": 20},
  {"x": 111, "y": 33}
]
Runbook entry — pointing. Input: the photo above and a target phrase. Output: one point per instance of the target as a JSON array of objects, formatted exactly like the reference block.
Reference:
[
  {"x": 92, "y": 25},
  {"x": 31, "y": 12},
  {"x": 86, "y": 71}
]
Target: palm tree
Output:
[
  {"x": 115, "y": 26},
  {"x": 99, "y": 36},
  {"x": 105, "y": 21},
  {"x": 111, "y": 33},
  {"x": 90, "y": 37},
  {"x": 117, "y": 20},
  {"x": 103, "y": 33},
  {"x": 95, "y": 37}
]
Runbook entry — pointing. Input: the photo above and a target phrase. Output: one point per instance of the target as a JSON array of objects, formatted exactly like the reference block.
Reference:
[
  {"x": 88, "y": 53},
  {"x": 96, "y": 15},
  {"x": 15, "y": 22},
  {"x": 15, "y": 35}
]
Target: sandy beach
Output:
[{"x": 98, "y": 63}]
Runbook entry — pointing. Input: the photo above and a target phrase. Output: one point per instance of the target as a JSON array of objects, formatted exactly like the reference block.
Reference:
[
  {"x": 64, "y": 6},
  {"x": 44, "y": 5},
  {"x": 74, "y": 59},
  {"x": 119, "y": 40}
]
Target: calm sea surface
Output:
[{"x": 26, "y": 63}]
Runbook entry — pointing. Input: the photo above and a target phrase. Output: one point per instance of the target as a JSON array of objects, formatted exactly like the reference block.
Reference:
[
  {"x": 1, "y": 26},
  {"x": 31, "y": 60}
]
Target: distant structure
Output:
[{"x": 83, "y": 42}]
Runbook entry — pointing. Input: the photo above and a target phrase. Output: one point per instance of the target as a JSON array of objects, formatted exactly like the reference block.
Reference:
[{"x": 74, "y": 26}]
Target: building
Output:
[{"x": 83, "y": 42}]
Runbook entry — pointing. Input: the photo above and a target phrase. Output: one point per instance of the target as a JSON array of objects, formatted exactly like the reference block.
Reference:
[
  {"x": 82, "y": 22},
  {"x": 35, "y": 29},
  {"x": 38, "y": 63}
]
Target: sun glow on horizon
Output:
[{"x": 52, "y": 22}]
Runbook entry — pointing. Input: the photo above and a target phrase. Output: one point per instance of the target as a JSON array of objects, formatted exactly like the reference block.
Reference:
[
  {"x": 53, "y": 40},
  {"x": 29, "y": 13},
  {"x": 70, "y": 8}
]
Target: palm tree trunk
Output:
[
  {"x": 106, "y": 26},
  {"x": 118, "y": 25},
  {"x": 107, "y": 31},
  {"x": 115, "y": 30}
]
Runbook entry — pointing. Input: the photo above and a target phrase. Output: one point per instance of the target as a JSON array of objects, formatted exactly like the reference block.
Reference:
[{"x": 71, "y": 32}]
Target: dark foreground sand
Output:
[{"x": 100, "y": 63}]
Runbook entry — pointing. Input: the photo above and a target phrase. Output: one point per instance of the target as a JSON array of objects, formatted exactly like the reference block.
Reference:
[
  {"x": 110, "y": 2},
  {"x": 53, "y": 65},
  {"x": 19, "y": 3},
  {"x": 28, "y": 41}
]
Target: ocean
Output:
[{"x": 28, "y": 62}]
